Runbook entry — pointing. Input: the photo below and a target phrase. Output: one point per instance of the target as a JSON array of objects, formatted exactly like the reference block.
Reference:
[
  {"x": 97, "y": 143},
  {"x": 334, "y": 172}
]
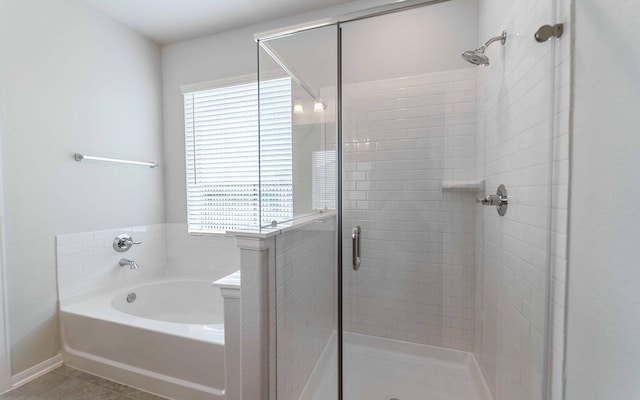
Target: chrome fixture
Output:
[
  {"x": 131, "y": 297},
  {"x": 546, "y": 32},
  {"x": 125, "y": 261},
  {"x": 123, "y": 242},
  {"x": 80, "y": 157},
  {"x": 477, "y": 56},
  {"x": 500, "y": 200},
  {"x": 377, "y": 11},
  {"x": 355, "y": 241}
]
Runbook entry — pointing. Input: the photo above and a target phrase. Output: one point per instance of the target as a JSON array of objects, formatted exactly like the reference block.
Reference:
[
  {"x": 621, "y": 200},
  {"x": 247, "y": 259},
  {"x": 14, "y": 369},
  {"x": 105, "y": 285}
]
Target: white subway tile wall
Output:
[
  {"x": 208, "y": 256},
  {"x": 87, "y": 261},
  {"x": 306, "y": 302},
  {"x": 515, "y": 131},
  {"x": 403, "y": 137}
]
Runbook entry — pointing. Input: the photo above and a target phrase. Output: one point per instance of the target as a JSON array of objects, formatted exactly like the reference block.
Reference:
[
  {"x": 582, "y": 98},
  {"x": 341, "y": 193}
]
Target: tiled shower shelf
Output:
[{"x": 463, "y": 186}]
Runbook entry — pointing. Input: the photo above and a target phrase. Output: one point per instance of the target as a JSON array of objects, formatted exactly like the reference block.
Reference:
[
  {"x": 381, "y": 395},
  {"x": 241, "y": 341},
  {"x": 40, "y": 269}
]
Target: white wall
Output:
[
  {"x": 423, "y": 40},
  {"x": 71, "y": 80},
  {"x": 603, "y": 354}
]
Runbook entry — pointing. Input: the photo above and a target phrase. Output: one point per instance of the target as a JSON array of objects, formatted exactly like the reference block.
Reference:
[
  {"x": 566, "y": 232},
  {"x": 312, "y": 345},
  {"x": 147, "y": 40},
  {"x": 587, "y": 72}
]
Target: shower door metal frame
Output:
[
  {"x": 342, "y": 19},
  {"x": 385, "y": 9},
  {"x": 339, "y": 249}
]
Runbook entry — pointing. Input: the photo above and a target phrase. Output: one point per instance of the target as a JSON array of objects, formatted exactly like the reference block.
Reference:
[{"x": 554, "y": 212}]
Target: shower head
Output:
[{"x": 477, "y": 56}]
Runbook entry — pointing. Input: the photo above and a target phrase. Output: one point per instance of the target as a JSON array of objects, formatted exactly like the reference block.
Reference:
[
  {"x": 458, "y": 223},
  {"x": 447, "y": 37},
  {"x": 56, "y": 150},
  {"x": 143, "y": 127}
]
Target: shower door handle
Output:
[{"x": 355, "y": 244}]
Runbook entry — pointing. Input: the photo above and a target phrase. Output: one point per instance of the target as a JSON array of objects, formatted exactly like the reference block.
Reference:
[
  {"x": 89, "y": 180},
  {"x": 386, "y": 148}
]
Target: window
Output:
[{"x": 223, "y": 151}]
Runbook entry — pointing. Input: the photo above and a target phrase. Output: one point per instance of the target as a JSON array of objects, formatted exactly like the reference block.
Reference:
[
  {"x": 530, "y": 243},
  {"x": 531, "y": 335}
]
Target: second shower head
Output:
[{"x": 477, "y": 56}]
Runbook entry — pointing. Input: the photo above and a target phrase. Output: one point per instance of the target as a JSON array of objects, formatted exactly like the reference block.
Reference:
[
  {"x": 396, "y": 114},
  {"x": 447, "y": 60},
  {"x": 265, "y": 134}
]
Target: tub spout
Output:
[{"x": 132, "y": 264}]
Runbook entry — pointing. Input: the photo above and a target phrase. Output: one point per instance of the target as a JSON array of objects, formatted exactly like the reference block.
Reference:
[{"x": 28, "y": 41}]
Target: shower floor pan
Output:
[
  {"x": 384, "y": 369},
  {"x": 377, "y": 368}
]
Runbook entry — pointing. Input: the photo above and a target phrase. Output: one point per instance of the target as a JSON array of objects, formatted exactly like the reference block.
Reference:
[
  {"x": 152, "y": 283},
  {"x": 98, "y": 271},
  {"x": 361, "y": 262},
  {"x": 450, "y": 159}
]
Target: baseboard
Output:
[{"x": 36, "y": 371}]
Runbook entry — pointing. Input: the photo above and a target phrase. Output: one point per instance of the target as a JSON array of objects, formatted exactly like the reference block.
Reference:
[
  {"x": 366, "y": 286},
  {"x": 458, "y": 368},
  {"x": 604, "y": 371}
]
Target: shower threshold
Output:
[{"x": 379, "y": 368}]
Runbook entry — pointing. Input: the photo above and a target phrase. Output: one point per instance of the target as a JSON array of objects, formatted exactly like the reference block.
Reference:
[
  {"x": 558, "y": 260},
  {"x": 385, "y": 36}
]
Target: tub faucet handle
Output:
[{"x": 123, "y": 243}]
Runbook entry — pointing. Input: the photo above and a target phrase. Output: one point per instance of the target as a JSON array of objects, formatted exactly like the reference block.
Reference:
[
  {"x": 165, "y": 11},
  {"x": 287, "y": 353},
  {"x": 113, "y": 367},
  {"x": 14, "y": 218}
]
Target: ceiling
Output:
[{"x": 170, "y": 21}]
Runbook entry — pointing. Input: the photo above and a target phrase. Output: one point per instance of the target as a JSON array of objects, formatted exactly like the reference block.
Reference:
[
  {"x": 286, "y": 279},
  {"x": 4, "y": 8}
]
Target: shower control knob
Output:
[
  {"x": 492, "y": 200},
  {"x": 500, "y": 200},
  {"x": 484, "y": 200}
]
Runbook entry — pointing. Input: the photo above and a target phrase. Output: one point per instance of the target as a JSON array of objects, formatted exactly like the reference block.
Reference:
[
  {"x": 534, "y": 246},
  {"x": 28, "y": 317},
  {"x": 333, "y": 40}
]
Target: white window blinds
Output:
[
  {"x": 223, "y": 153},
  {"x": 323, "y": 180},
  {"x": 276, "y": 150}
]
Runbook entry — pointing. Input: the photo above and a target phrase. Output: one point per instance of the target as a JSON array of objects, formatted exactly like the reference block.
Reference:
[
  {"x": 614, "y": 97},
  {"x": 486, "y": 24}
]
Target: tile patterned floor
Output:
[{"x": 65, "y": 383}]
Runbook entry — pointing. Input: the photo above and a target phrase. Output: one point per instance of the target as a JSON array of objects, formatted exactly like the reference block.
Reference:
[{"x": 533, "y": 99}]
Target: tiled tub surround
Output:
[
  {"x": 403, "y": 137},
  {"x": 200, "y": 255},
  {"x": 87, "y": 261},
  {"x": 514, "y": 133}
]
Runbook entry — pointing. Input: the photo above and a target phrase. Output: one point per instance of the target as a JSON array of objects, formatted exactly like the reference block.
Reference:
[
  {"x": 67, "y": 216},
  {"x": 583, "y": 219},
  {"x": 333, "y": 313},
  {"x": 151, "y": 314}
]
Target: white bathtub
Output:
[{"x": 169, "y": 340}]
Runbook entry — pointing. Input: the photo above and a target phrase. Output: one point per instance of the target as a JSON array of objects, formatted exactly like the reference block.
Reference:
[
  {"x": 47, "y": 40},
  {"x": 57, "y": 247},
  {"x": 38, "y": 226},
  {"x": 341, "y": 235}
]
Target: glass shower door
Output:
[
  {"x": 443, "y": 296},
  {"x": 409, "y": 116}
]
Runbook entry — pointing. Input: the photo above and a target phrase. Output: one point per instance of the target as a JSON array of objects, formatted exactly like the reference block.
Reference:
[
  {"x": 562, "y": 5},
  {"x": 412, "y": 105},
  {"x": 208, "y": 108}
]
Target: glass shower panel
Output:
[
  {"x": 298, "y": 170},
  {"x": 298, "y": 126}
]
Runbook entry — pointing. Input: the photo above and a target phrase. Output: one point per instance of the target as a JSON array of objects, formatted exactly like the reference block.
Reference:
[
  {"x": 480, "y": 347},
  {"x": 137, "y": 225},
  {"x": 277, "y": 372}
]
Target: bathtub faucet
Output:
[{"x": 125, "y": 261}]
